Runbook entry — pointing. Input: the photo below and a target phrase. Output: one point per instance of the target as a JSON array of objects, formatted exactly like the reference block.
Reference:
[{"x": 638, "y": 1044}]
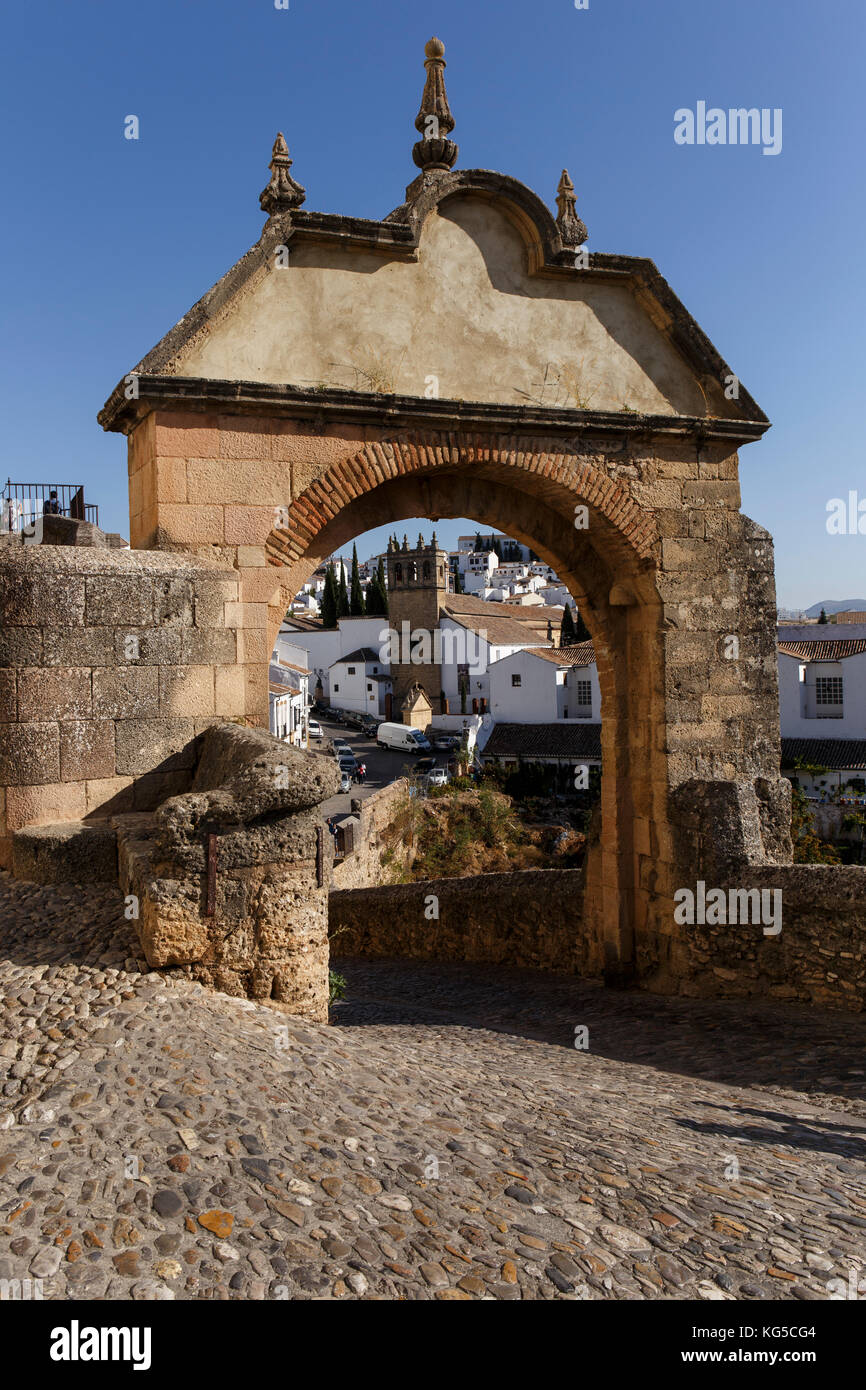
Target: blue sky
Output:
[{"x": 106, "y": 242}]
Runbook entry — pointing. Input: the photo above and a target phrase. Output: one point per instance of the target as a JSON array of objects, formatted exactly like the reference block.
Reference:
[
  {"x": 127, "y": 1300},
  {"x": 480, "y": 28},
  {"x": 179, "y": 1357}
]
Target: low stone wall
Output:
[
  {"x": 111, "y": 661},
  {"x": 818, "y": 957},
  {"x": 527, "y": 918},
  {"x": 363, "y": 868},
  {"x": 534, "y": 919}
]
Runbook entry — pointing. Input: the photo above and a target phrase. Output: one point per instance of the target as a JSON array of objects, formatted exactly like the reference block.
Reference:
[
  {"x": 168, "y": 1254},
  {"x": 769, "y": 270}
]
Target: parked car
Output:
[
  {"x": 315, "y": 729},
  {"x": 345, "y": 781},
  {"x": 425, "y": 765},
  {"x": 348, "y": 763},
  {"x": 438, "y": 777},
  {"x": 401, "y": 737},
  {"x": 446, "y": 742}
]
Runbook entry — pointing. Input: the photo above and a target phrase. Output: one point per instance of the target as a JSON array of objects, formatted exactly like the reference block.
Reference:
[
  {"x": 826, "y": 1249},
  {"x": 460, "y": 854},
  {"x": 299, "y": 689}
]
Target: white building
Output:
[
  {"x": 476, "y": 635},
  {"x": 289, "y": 695},
  {"x": 546, "y": 685},
  {"x": 822, "y": 707},
  {"x": 359, "y": 681},
  {"x": 476, "y": 569},
  {"x": 324, "y": 646}
]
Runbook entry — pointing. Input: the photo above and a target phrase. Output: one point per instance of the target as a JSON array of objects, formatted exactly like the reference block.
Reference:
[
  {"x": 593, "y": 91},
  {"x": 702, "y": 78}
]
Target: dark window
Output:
[
  {"x": 398, "y": 574},
  {"x": 426, "y": 569},
  {"x": 565, "y": 712},
  {"x": 828, "y": 690},
  {"x": 336, "y": 688},
  {"x": 369, "y": 685},
  {"x": 350, "y": 670},
  {"x": 515, "y": 680}
]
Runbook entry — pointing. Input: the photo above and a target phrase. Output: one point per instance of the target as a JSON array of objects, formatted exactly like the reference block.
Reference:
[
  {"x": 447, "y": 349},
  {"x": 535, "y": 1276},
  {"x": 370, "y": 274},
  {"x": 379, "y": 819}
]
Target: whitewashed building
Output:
[
  {"x": 541, "y": 685},
  {"x": 360, "y": 681}
]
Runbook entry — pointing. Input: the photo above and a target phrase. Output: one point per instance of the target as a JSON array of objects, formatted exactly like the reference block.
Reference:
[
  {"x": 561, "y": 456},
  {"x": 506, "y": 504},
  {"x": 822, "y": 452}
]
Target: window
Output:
[
  {"x": 584, "y": 692},
  {"x": 375, "y": 670},
  {"x": 398, "y": 574},
  {"x": 336, "y": 688},
  {"x": 369, "y": 685},
  {"x": 515, "y": 681},
  {"x": 350, "y": 670},
  {"x": 565, "y": 712},
  {"x": 828, "y": 690}
]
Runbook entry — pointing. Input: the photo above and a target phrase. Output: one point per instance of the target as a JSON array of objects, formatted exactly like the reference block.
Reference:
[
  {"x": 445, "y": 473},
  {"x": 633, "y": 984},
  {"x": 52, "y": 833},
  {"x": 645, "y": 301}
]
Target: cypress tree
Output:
[
  {"x": 356, "y": 598},
  {"x": 329, "y": 598},
  {"x": 567, "y": 631},
  {"x": 342, "y": 594},
  {"x": 382, "y": 586},
  {"x": 582, "y": 632}
]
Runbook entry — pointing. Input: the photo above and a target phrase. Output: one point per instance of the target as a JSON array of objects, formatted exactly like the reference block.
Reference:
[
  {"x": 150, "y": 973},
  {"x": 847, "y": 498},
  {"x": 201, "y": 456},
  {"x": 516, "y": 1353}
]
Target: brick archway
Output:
[{"x": 531, "y": 493}]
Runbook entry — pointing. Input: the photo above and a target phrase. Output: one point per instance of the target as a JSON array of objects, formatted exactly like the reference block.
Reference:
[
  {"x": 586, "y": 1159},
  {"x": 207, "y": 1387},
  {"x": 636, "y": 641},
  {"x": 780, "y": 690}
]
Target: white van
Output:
[{"x": 400, "y": 736}]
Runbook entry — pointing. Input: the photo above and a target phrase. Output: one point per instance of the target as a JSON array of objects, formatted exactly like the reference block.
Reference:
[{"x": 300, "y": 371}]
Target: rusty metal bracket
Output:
[{"x": 210, "y": 909}]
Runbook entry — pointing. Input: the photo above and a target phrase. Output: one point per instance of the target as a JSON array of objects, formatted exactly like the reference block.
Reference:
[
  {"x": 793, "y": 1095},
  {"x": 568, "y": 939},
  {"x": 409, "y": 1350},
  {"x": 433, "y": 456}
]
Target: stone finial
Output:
[
  {"x": 571, "y": 229},
  {"x": 434, "y": 120},
  {"x": 283, "y": 192}
]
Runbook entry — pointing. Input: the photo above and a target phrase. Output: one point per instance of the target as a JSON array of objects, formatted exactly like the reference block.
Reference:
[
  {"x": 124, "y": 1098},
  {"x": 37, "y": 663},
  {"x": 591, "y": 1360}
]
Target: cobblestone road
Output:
[{"x": 443, "y": 1140}]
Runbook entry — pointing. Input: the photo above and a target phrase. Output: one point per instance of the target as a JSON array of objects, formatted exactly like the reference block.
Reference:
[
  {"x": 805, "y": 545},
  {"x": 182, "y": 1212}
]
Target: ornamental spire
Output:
[
  {"x": 283, "y": 192},
  {"x": 571, "y": 229},
  {"x": 434, "y": 120}
]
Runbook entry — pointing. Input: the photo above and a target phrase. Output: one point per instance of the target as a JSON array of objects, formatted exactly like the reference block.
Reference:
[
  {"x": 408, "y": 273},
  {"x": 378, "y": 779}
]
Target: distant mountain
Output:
[{"x": 836, "y": 605}]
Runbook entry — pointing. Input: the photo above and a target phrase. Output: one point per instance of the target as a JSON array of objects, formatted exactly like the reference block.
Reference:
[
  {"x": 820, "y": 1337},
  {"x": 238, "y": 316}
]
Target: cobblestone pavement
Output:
[{"x": 445, "y": 1139}]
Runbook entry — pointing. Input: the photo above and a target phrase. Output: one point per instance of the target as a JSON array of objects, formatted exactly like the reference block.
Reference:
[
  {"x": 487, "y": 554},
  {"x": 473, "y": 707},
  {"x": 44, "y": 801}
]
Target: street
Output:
[{"x": 383, "y": 765}]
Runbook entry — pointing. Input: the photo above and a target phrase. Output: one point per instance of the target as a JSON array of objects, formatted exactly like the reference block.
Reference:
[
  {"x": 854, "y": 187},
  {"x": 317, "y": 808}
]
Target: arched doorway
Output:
[{"x": 601, "y": 545}]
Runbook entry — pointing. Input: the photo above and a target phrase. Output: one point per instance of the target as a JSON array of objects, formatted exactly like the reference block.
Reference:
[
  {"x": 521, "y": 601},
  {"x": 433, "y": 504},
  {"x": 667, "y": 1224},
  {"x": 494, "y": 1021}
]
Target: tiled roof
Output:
[
  {"x": 361, "y": 654},
  {"x": 282, "y": 678},
  {"x": 581, "y": 654},
  {"x": 282, "y": 689},
  {"x": 544, "y": 741},
  {"x": 501, "y": 624},
  {"x": 295, "y": 623},
  {"x": 292, "y": 666},
  {"x": 835, "y": 650},
  {"x": 835, "y": 753}
]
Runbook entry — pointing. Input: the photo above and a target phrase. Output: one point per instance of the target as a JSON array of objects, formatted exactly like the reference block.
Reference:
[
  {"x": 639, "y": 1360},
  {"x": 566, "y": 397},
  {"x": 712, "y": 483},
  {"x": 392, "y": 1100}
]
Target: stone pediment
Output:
[{"x": 466, "y": 293}]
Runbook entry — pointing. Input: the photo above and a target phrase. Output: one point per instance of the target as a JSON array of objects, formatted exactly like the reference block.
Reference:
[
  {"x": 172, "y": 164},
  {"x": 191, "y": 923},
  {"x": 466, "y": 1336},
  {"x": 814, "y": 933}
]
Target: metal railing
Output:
[{"x": 23, "y": 502}]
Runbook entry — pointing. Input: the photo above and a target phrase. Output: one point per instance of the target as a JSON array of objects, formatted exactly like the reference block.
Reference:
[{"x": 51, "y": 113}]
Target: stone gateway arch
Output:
[{"x": 467, "y": 356}]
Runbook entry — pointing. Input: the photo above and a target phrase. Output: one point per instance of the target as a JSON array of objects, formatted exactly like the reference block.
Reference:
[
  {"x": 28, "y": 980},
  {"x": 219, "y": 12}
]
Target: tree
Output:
[
  {"x": 582, "y": 632},
  {"x": 329, "y": 598},
  {"x": 478, "y": 545},
  {"x": 342, "y": 594},
  {"x": 822, "y": 617},
  {"x": 463, "y": 690},
  {"x": 567, "y": 632},
  {"x": 458, "y": 581},
  {"x": 356, "y": 597},
  {"x": 377, "y": 594}
]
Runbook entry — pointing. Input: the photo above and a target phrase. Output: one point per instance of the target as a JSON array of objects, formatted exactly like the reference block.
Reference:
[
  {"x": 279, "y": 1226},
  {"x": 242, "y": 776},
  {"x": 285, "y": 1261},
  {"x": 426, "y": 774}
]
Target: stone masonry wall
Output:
[
  {"x": 363, "y": 867},
  {"x": 530, "y": 918},
  {"x": 534, "y": 919},
  {"x": 110, "y": 662}
]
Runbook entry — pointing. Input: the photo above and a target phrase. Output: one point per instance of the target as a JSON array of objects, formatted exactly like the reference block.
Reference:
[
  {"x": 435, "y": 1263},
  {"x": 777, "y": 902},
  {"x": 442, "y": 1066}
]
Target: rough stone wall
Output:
[
  {"x": 530, "y": 919},
  {"x": 363, "y": 868},
  {"x": 534, "y": 919},
  {"x": 110, "y": 662}
]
